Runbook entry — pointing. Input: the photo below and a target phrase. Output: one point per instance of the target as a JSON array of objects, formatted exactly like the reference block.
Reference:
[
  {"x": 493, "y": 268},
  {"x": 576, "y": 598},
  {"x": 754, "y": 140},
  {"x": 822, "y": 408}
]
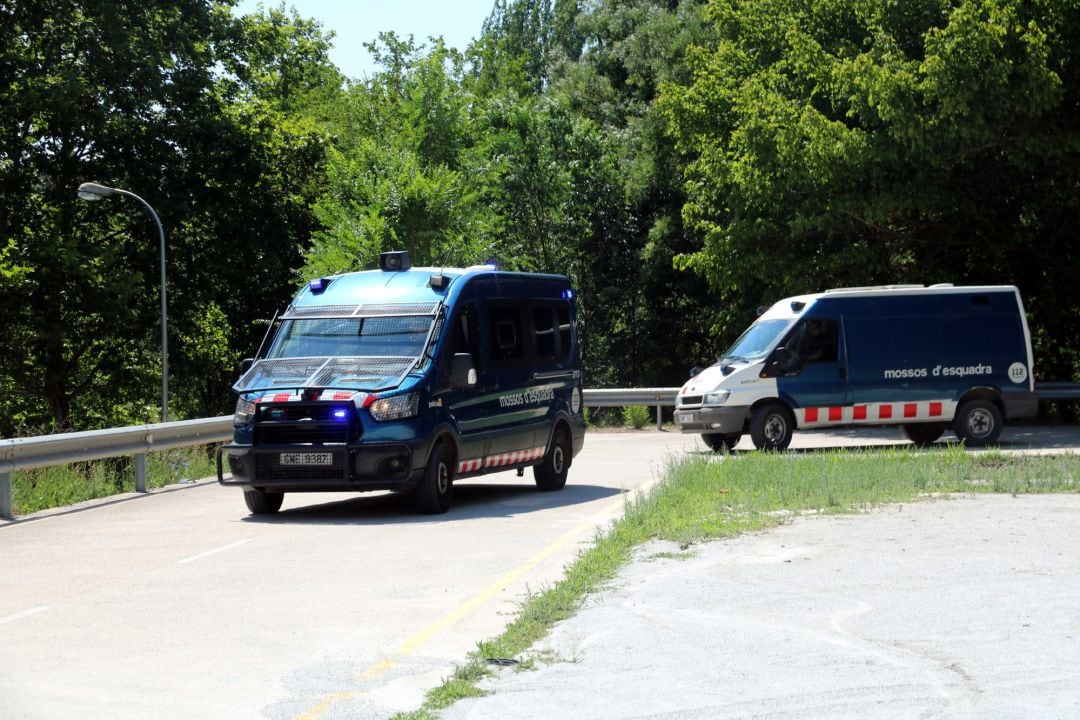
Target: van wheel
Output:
[
  {"x": 263, "y": 503},
  {"x": 771, "y": 427},
  {"x": 978, "y": 422},
  {"x": 436, "y": 489},
  {"x": 923, "y": 434},
  {"x": 550, "y": 474},
  {"x": 720, "y": 442}
]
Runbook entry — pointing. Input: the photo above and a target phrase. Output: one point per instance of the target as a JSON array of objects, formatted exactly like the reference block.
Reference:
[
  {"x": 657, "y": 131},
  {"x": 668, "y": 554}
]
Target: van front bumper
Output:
[
  {"x": 308, "y": 468},
  {"x": 707, "y": 419}
]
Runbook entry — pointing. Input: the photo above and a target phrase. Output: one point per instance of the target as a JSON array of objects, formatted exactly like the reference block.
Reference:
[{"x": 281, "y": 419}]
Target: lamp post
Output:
[{"x": 93, "y": 191}]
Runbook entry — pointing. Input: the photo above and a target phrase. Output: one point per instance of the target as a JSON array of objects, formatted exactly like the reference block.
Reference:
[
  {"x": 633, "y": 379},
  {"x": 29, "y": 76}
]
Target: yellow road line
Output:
[{"x": 419, "y": 639}]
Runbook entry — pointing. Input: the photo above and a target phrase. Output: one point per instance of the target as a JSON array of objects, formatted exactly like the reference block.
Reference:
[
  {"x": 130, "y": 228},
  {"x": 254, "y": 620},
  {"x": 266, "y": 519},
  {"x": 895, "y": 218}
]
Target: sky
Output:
[{"x": 356, "y": 22}]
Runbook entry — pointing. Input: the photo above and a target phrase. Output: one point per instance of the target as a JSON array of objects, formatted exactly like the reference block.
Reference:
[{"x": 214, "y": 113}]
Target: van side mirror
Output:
[
  {"x": 246, "y": 364},
  {"x": 462, "y": 372},
  {"x": 780, "y": 362}
]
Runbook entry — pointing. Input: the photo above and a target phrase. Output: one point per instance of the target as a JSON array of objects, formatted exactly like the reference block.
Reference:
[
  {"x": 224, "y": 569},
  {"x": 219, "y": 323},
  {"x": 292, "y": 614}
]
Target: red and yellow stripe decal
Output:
[{"x": 875, "y": 413}]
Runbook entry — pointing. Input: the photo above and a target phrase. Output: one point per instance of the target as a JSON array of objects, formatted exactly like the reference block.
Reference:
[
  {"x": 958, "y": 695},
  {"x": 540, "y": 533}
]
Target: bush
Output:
[{"x": 635, "y": 416}]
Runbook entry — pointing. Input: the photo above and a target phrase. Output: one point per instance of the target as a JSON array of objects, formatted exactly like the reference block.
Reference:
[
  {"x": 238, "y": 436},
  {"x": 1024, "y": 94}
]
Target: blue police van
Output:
[
  {"x": 409, "y": 379},
  {"x": 929, "y": 359}
]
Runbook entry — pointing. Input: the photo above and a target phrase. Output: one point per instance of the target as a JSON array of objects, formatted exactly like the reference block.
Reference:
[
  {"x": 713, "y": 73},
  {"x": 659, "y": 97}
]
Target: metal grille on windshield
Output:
[{"x": 372, "y": 373}]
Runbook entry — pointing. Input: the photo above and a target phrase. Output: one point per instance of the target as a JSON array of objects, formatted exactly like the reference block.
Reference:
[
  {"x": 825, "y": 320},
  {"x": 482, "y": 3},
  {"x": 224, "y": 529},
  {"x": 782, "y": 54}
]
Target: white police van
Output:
[
  {"x": 408, "y": 379},
  {"x": 929, "y": 359}
]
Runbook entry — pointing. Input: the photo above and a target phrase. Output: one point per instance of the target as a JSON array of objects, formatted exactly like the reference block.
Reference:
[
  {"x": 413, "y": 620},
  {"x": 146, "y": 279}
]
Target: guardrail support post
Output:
[
  {"x": 6, "y": 510},
  {"x": 140, "y": 472},
  {"x": 659, "y": 422}
]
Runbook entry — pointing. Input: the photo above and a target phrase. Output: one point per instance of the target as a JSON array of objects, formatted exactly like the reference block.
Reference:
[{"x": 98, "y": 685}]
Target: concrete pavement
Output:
[{"x": 962, "y": 607}]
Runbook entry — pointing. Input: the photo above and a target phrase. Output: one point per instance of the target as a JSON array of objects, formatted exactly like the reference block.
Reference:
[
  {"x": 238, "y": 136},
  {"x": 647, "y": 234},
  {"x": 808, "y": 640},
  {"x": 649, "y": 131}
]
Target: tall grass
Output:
[
  {"x": 701, "y": 498},
  {"x": 34, "y": 490}
]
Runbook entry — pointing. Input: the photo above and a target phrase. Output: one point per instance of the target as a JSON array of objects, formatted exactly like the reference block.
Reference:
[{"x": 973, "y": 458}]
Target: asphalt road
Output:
[{"x": 176, "y": 604}]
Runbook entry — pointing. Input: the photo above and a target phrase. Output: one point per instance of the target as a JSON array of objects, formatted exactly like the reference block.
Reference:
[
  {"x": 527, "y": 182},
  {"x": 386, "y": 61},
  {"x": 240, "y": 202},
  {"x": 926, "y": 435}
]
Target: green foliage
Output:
[
  {"x": 394, "y": 174},
  {"x": 512, "y": 54},
  {"x": 196, "y": 113},
  {"x": 849, "y": 143},
  {"x": 635, "y": 416},
  {"x": 767, "y": 147}
]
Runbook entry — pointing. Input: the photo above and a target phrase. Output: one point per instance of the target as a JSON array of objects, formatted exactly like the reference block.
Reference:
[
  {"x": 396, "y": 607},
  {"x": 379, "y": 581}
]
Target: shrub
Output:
[{"x": 635, "y": 416}]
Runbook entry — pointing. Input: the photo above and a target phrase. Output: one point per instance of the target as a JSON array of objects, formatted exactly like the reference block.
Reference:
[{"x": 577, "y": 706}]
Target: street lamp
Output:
[{"x": 92, "y": 192}]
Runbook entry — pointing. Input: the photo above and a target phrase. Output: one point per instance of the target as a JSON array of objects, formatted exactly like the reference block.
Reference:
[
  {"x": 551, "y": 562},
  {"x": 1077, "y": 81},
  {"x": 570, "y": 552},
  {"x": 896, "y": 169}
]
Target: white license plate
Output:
[
  {"x": 307, "y": 459},
  {"x": 684, "y": 417}
]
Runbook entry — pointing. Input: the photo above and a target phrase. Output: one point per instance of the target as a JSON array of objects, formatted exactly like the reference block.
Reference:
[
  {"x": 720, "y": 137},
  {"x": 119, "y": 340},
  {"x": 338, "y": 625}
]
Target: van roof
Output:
[
  {"x": 937, "y": 289},
  {"x": 793, "y": 306},
  {"x": 394, "y": 286}
]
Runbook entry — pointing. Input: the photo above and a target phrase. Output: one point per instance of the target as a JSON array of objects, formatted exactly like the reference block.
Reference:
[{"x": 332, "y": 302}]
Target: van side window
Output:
[
  {"x": 463, "y": 336},
  {"x": 544, "y": 331},
  {"x": 505, "y": 336},
  {"x": 565, "y": 330},
  {"x": 466, "y": 333},
  {"x": 816, "y": 340}
]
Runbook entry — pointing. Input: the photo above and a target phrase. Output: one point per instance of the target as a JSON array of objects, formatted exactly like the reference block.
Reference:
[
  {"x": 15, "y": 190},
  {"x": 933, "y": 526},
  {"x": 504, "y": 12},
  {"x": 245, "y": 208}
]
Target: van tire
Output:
[
  {"x": 923, "y": 434},
  {"x": 771, "y": 427},
  {"x": 260, "y": 502},
  {"x": 550, "y": 474},
  {"x": 721, "y": 442},
  {"x": 978, "y": 422},
  {"x": 436, "y": 489}
]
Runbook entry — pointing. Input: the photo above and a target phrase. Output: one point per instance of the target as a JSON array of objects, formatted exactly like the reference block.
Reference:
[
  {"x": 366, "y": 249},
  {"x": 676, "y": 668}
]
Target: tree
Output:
[
  {"x": 513, "y": 52},
  {"x": 138, "y": 96},
  {"x": 394, "y": 172},
  {"x": 850, "y": 143}
]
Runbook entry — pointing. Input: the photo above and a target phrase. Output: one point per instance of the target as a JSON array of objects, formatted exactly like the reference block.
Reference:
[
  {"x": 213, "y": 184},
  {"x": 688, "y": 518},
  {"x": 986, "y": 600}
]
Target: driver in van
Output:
[{"x": 815, "y": 345}]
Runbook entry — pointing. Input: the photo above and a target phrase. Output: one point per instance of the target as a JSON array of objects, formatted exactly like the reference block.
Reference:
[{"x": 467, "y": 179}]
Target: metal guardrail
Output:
[
  {"x": 48, "y": 450},
  {"x": 1057, "y": 390}
]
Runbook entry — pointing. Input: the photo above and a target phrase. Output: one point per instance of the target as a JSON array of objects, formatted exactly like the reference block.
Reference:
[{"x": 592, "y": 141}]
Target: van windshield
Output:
[
  {"x": 352, "y": 337},
  {"x": 756, "y": 340}
]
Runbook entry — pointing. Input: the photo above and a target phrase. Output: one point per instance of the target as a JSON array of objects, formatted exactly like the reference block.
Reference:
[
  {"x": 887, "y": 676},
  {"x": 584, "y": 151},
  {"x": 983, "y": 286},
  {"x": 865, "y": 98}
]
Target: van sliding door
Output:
[{"x": 515, "y": 412}]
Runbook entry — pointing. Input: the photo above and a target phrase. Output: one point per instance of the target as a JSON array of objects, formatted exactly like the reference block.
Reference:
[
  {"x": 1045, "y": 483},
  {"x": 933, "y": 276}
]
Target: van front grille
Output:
[
  {"x": 689, "y": 400},
  {"x": 318, "y": 423}
]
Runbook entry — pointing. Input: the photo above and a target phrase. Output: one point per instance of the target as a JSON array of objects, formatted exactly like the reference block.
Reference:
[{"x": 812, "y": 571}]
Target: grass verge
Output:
[
  {"x": 34, "y": 490},
  {"x": 700, "y": 499}
]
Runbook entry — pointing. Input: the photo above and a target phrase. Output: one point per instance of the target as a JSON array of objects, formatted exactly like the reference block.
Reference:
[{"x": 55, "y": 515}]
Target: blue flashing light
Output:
[
  {"x": 339, "y": 414},
  {"x": 317, "y": 285},
  {"x": 568, "y": 294}
]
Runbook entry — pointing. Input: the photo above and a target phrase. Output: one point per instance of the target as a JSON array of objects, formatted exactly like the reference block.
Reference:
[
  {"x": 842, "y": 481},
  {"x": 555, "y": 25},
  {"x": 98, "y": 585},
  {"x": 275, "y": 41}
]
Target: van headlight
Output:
[
  {"x": 395, "y": 407},
  {"x": 245, "y": 410},
  {"x": 718, "y": 397}
]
